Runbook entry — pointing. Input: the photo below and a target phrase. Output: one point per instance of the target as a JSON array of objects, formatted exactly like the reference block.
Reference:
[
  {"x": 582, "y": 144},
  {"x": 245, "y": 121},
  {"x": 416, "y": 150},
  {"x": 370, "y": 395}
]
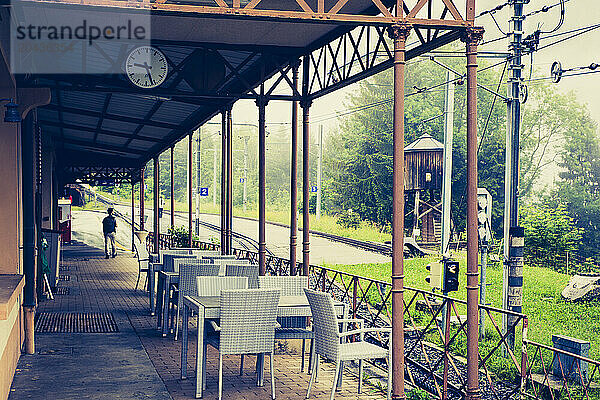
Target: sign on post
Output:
[
  {"x": 313, "y": 189},
  {"x": 204, "y": 191}
]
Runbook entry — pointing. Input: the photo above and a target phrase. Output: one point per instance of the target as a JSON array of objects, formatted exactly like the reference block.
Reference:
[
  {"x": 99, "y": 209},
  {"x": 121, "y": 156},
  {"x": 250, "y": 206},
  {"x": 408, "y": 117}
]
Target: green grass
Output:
[
  {"x": 90, "y": 206},
  {"x": 547, "y": 312},
  {"x": 326, "y": 223}
]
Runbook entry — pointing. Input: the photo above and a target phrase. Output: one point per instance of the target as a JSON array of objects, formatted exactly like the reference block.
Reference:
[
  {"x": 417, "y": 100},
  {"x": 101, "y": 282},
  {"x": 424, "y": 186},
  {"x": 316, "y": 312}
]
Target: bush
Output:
[
  {"x": 180, "y": 236},
  {"x": 349, "y": 219},
  {"x": 417, "y": 394}
]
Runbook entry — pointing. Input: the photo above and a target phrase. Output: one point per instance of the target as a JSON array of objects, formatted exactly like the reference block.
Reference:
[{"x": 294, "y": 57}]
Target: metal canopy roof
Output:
[{"x": 101, "y": 120}]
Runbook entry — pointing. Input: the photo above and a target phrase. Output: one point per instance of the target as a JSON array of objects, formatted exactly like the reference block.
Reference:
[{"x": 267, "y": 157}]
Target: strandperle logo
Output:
[{"x": 84, "y": 31}]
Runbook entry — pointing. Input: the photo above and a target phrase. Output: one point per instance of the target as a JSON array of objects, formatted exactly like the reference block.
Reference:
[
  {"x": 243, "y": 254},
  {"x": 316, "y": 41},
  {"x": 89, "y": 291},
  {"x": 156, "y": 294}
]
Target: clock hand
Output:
[
  {"x": 150, "y": 77},
  {"x": 144, "y": 65}
]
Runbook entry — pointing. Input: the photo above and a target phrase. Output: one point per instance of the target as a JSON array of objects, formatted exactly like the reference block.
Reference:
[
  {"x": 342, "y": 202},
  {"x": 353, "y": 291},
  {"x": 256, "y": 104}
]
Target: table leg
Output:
[
  {"x": 260, "y": 362},
  {"x": 184, "y": 340},
  {"x": 159, "y": 301},
  {"x": 166, "y": 304},
  {"x": 200, "y": 353},
  {"x": 151, "y": 288}
]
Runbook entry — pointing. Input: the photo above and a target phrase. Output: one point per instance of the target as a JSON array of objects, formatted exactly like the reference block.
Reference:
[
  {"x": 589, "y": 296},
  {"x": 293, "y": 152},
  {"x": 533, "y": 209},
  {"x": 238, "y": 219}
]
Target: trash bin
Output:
[{"x": 53, "y": 254}]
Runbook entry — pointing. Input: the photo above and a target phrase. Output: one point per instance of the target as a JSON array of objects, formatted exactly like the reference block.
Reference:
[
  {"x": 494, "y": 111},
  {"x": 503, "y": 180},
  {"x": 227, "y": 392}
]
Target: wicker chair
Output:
[
  {"x": 213, "y": 285},
  {"x": 247, "y": 326},
  {"x": 143, "y": 259},
  {"x": 250, "y": 271},
  {"x": 290, "y": 327},
  {"x": 328, "y": 339},
  {"x": 189, "y": 269},
  {"x": 167, "y": 261}
]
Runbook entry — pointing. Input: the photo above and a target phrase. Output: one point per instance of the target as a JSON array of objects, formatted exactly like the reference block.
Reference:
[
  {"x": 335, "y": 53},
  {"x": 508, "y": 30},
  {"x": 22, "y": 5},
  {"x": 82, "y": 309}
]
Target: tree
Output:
[
  {"x": 550, "y": 232},
  {"x": 361, "y": 176},
  {"x": 579, "y": 186}
]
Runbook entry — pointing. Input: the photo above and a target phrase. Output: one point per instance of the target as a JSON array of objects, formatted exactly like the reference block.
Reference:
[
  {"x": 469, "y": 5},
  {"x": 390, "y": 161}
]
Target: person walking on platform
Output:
[{"x": 109, "y": 226}]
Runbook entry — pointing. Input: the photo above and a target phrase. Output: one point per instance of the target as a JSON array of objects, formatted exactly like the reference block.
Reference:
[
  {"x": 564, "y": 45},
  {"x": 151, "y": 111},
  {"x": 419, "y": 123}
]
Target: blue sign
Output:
[
  {"x": 203, "y": 191},
  {"x": 313, "y": 189},
  {"x": 242, "y": 180}
]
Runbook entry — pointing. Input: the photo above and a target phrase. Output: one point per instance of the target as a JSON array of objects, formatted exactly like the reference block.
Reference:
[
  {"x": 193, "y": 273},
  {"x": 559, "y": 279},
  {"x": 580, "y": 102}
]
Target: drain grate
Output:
[
  {"x": 75, "y": 323},
  {"x": 62, "y": 291},
  {"x": 64, "y": 277}
]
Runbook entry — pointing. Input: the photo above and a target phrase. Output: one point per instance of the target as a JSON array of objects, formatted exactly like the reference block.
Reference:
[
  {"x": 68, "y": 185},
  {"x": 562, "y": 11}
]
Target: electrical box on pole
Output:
[
  {"x": 484, "y": 229},
  {"x": 451, "y": 271},
  {"x": 435, "y": 275},
  {"x": 484, "y": 216}
]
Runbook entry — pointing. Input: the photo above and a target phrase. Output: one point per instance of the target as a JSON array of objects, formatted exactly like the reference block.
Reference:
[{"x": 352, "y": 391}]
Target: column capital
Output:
[
  {"x": 295, "y": 65},
  {"x": 305, "y": 103},
  {"x": 473, "y": 35},
  {"x": 399, "y": 31},
  {"x": 262, "y": 101}
]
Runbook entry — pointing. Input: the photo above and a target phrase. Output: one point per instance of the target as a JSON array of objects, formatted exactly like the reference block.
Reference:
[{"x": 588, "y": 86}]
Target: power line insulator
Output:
[{"x": 556, "y": 71}]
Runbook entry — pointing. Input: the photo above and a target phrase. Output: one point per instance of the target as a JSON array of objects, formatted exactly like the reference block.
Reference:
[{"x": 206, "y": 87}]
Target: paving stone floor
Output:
[{"x": 100, "y": 285}]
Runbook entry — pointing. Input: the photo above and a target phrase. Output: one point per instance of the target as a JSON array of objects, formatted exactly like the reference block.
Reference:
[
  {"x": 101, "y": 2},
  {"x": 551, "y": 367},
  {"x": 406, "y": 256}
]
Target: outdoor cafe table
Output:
[{"x": 209, "y": 307}]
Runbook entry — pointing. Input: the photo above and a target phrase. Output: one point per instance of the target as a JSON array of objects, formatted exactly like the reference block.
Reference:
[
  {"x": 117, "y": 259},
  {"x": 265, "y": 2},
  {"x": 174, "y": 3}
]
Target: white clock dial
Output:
[{"x": 146, "y": 67}]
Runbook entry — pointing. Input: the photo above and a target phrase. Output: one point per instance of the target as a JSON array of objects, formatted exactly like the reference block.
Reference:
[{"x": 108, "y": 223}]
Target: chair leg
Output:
[
  {"x": 312, "y": 375},
  {"x": 360, "y": 375},
  {"x": 204, "y": 366},
  {"x": 241, "y": 365},
  {"x": 335, "y": 378},
  {"x": 177, "y": 324},
  {"x": 171, "y": 316},
  {"x": 220, "y": 376},
  {"x": 138, "y": 280},
  {"x": 311, "y": 357},
  {"x": 272, "y": 375}
]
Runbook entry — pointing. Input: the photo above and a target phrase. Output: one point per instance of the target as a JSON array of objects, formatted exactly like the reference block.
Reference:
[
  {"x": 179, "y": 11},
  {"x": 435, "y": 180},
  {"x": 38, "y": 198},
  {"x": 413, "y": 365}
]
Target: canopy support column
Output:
[
  {"x": 172, "y": 188},
  {"x": 294, "y": 176},
  {"x": 262, "y": 104},
  {"x": 156, "y": 206},
  {"x": 223, "y": 181},
  {"x": 29, "y": 229},
  {"x": 398, "y": 33},
  {"x": 142, "y": 196},
  {"x": 229, "y": 182},
  {"x": 305, "y": 104},
  {"x": 190, "y": 186},
  {"x": 132, "y": 215},
  {"x": 472, "y": 37}
]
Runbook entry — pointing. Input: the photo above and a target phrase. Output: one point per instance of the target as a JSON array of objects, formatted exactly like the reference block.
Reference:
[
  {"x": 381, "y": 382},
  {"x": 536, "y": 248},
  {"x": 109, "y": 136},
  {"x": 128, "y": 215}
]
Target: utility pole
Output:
[
  {"x": 446, "y": 185},
  {"x": 198, "y": 179},
  {"x": 245, "y": 198},
  {"x": 319, "y": 171},
  {"x": 214, "y": 177},
  {"x": 513, "y": 261},
  {"x": 214, "y": 184}
]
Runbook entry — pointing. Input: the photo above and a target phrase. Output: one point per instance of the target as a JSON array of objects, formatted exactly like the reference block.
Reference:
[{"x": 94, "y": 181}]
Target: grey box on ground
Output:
[{"x": 573, "y": 368}]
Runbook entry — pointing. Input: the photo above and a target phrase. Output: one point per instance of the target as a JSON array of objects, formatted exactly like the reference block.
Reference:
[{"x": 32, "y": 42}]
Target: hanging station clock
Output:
[{"x": 146, "y": 67}]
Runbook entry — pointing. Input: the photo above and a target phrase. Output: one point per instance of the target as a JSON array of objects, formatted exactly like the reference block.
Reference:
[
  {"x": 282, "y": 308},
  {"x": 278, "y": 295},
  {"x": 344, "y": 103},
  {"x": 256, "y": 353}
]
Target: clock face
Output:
[{"x": 146, "y": 67}]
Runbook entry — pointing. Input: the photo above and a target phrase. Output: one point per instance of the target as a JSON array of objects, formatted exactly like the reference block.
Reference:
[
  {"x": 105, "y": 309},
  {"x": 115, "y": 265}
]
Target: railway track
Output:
[
  {"x": 244, "y": 241},
  {"x": 411, "y": 248}
]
